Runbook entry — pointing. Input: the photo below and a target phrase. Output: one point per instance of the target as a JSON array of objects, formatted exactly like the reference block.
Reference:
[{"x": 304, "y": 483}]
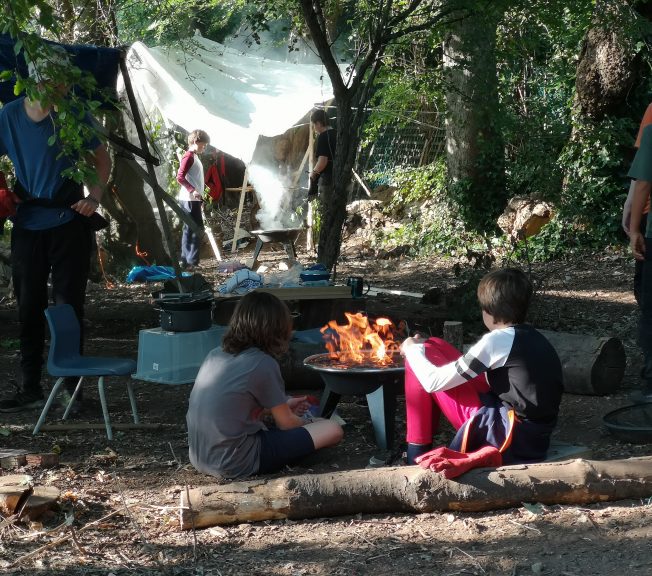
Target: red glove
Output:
[
  {"x": 8, "y": 200},
  {"x": 453, "y": 464}
]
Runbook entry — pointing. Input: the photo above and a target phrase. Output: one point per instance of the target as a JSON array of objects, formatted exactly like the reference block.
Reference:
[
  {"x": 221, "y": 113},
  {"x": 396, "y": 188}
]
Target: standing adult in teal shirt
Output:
[
  {"x": 51, "y": 234},
  {"x": 641, "y": 245}
]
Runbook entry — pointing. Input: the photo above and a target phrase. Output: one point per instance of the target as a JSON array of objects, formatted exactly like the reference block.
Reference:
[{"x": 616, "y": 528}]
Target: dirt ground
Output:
[{"x": 141, "y": 473}]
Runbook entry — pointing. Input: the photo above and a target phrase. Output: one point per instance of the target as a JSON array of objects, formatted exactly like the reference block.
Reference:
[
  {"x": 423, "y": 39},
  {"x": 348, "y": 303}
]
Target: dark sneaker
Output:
[
  {"x": 641, "y": 396},
  {"x": 21, "y": 402}
]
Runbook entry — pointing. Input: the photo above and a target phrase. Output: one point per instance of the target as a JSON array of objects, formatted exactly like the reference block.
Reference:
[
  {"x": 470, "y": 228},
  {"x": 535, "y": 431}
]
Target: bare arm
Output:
[
  {"x": 320, "y": 165},
  {"x": 102, "y": 163},
  {"x": 284, "y": 417},
  {"x": 636, "y": 239},
  {"x": 627, "y": 208}
]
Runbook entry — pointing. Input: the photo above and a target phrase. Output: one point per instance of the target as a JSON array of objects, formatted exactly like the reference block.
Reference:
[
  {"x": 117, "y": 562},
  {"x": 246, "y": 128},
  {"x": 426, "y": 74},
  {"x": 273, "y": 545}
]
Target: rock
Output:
[{"x": 524, "y": 217}]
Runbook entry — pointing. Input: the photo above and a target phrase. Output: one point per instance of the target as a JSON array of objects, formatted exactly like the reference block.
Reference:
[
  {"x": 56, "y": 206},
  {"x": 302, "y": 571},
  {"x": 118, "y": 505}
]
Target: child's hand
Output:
[
  {"x": 411, "y": 341},
  {"x": 299, "y": 405}
]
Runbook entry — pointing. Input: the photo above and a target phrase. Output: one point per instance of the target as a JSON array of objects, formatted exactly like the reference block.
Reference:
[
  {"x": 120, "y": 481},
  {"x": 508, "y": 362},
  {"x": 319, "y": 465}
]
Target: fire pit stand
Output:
[
  {"x": 286, "y": 237},
  {"x": 380, "y": 386}
]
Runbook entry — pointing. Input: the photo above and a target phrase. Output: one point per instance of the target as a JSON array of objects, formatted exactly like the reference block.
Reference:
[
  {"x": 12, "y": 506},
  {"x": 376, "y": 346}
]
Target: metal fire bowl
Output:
[
  {"x": 280, "y": 235},
  {"x": 314, "y": 363},
  {"x": 354, "y": 379}
]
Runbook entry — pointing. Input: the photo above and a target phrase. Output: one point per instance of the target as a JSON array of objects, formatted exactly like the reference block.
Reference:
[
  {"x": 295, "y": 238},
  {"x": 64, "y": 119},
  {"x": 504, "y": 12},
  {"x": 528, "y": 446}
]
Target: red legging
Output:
[{"x": 424, "y": 408}]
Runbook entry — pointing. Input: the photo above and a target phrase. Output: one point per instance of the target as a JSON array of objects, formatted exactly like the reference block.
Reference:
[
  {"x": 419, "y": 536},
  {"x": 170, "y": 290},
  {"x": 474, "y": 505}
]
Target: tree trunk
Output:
[
  {"x": 413, "y": 489},
  {"x": 475, "y": 151},
  {"x": 332, "y": 208},
  {"x": 88, "y": 22},
  {"x": 128, "y": 204},
  {"x": 608, "y": 63}
]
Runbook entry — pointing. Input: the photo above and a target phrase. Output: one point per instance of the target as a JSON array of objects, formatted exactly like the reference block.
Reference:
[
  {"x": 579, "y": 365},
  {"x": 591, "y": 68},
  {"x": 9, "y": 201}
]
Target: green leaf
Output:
[{"x": 536, "y": 509}]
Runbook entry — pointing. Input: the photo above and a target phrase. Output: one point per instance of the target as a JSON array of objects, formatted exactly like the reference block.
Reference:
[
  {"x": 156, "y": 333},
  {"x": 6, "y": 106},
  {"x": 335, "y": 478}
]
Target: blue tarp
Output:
[
  {"x": 102, "y": 63},
  {"x": 150, "y": 274}
]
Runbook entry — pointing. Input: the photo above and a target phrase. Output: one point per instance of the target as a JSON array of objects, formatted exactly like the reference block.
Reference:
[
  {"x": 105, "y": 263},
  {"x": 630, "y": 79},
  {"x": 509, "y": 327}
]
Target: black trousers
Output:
[
  {"x": 645, "y": 324},
  {"x": 190, "y": 241},
  {"x": 64, "y": 252},
  {"x": 638, "y": 266}
]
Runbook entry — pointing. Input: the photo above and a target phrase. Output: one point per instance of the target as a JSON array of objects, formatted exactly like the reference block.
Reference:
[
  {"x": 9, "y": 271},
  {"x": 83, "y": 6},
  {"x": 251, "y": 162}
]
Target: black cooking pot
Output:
[{"x": 185, "y": 314}]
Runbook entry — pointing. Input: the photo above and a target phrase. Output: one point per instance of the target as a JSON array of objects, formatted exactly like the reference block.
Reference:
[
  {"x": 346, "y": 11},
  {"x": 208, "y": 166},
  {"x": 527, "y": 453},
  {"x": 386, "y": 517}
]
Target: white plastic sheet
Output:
[{"x": 233, "y": 96}]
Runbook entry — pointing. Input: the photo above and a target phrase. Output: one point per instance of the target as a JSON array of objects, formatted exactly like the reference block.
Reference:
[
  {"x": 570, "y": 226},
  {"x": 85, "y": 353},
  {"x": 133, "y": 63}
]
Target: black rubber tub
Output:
[
  {"x": 631, "y": 424},
  {"x": 185, "y": 313}
]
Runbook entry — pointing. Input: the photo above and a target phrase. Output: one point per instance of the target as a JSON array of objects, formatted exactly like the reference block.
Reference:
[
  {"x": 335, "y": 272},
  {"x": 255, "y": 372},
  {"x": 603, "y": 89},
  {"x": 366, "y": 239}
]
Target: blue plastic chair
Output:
[{"x": 64, "y": 361}]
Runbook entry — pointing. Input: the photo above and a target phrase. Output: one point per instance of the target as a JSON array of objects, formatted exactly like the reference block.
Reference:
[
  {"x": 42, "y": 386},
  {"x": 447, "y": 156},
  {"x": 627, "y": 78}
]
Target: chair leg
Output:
[
  {"x": 105, "y": 410},
  {"x": 46, "y": 408},
  {"x": 73, "y": 398},
  {"x": 132, "y": 400}
]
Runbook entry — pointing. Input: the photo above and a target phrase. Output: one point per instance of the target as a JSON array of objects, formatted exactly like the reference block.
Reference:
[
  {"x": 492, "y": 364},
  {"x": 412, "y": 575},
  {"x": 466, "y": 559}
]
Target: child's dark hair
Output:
[
  {"x": 260, "y": 320},
  {"x": 505, "y": 294},
  {"x": 319, "y": 115}
]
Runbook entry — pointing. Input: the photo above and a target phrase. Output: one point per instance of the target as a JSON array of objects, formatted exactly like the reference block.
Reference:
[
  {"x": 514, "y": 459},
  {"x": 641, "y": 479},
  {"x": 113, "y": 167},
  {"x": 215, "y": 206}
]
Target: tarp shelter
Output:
[
  {"x": 233, "y": 96},
  {"x": 102, "y": 63}
]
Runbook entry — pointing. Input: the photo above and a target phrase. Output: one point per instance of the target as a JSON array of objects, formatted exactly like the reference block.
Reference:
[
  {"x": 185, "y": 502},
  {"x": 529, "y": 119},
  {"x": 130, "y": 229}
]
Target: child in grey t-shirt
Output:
[{"x": 236, "y": 385}]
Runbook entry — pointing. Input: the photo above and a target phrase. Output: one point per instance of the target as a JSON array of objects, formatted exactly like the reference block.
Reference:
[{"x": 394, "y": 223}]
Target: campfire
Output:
[{"x": 360, "y": 343}]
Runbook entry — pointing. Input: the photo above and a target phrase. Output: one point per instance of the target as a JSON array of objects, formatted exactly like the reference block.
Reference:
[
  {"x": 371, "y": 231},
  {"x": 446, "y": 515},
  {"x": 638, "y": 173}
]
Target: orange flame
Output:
[{"x": 359, "y": 341}]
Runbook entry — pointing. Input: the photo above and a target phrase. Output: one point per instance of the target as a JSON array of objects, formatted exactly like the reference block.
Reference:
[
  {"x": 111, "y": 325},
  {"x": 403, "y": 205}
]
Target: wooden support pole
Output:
[
  {"x": 234, "y": 244},
  {"x": 361, "y": 182},
  {"x": 165, "y": 225},
  {"x": 310, "y": 218}
]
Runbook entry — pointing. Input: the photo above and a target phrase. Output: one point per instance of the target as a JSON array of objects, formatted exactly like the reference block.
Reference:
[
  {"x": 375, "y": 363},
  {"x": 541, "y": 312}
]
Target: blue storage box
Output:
[{"x": 174, "y": 357}]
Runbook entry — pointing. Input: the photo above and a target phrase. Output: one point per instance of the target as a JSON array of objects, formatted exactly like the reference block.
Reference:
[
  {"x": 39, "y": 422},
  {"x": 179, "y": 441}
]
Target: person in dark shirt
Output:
[
  {"x": 504, "y": 392},
  {"x": 321, "y": 178},
  {"x": 641, "y": 245}
]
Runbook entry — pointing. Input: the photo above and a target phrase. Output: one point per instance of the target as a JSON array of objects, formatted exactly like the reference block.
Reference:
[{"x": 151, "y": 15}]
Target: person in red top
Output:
[
  {"x": 627, "y": 208},
  {"x": 215, "y": 175}
]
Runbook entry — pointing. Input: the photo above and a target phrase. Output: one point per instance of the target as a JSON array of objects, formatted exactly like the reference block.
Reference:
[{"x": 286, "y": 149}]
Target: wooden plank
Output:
[
  {"x": 302, "y": 293},
  {"x": 375, "y": 290},
  {"x": 234, "y": 245},
  {"x": 99, "y": 426},
  {"x": 239, "y": 189}
]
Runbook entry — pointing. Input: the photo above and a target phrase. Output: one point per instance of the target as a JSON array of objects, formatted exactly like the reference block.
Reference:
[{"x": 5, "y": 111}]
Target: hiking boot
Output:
[{"x": 22, "y": 402}]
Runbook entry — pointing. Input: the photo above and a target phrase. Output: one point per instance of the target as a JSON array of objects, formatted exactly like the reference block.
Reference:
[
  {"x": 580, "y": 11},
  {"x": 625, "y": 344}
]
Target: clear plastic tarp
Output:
[{"x": 233, "y": 96}]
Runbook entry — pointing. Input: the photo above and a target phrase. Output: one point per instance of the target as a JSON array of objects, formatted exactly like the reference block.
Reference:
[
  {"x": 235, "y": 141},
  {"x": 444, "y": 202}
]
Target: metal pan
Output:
[{"x": 280, "y": 235}]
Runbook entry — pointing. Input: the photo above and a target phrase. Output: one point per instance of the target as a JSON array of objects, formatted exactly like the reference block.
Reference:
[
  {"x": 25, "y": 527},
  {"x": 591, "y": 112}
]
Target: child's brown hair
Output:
[
  {"x": 506, "y": 295},
  {"x": 260, "y": 320},
  {"x": 198, "y": 136}
]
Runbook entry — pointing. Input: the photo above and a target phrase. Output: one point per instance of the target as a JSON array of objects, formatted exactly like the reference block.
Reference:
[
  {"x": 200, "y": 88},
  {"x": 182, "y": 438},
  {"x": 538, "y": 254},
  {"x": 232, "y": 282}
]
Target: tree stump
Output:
[
  {"x": 590, "y": 365},
  {"x": 454, "y": 334},
  {"x": 18, "y": 495}
]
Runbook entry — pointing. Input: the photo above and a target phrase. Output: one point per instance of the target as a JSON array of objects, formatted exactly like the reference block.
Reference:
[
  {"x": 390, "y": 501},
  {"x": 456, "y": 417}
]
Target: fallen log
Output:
[
  {"x": 590, "y": 365},
  {"x": 413, "y": 489}
]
